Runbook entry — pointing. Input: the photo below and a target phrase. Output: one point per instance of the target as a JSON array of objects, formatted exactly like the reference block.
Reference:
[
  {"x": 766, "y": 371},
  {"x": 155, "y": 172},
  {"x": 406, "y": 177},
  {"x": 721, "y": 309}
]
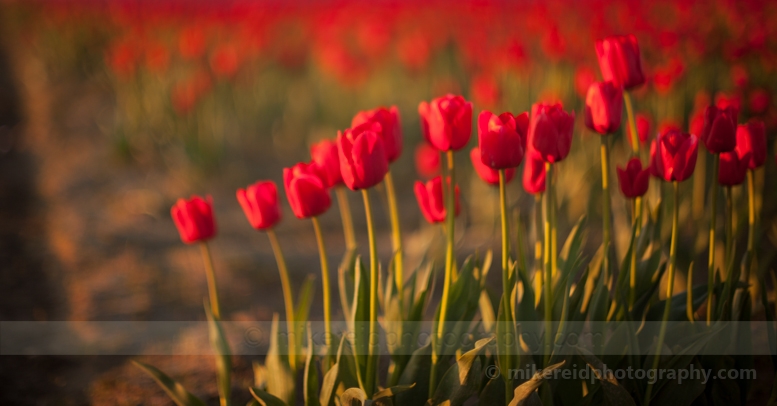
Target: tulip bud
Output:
[
  {"x": 448, "y": 122},
  {"x": 430, "y": 199},
  {"x": 427, "y": 161},
  {"x": 719, "y": 133},
  {"x": 363, "y": 162},
  {"x": 194, "y": 219},
  {"x": 502, "y": 139},
  {"x": 603, "y": 107},
  {"x": 550, "y": 131},
  {"x": 619, "y": 61},
  {"x": 260, "y": 204},
  {"x": 633, "y": 180},
  {"x": 307, "y": 195},
  {"x": 327, "y": 162},
  {"x": 391, "y": 130},
  {"x": 534, "y": 173},
  {"x": 673, "y": 155},
  {"x": 733, "y": 168},
  {"x": 751, "y": 138},
  {"x": 489, "y": 175}
]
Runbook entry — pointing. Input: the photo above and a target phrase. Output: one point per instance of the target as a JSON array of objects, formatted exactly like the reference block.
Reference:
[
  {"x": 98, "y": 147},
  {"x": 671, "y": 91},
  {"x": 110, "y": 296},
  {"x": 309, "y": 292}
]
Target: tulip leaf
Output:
[
  {"x": 266, "y": 399},
  {"x": 360, "y": 318},
  {"x": 614, "y": 394},
  {"x": 353, "y": 397},
  {"x": 416, "y": 373},
  {"x": 279, "y": 377},
  {"x": 527, "y": 390},
  {"x": 311, "y": 374},
  {"x": 304, "y": 300},
  {"x": 570, "y": 254},
  {"x": 341, "y": 372},
  {"x": 462, "y": 380},
  {"x": 345, "y": 281},
  {"x": 223, "y": 357},
  {"x": 508, "y": 343},
  {"x": 174, "y": 390}
]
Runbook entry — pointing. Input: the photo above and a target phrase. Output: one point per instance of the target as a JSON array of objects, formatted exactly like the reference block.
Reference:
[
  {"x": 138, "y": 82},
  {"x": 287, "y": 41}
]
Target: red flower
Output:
[
  {"x": 502, "y": 139},
  {"x": 619, "y": 60},
  {"x": 719, "y": 133},
  {"x": 194, "y": 219},
  {"x": 751, "y": 139},
  {"x": 488, "y": 174},
  {"x": 643, "y": 128},
  {"x": 603, "y": 107},
  {"x": 534, "y": 173},
  {"x": 733, "y": 168},
  {"x": 550, "y": 131},
  {"x": 260, "y": 204},
  {"x": 391, "y": 130},
  {"x": 584, "y": 78},
  {"x": 225, "y": 61},
  {"x": 430, "y": 200},
  {"x": 327, "y": 162},
  {"x": 363, "y": 162},
  {"x": 308, "y": 197},
  {"x": 759, "y": 101},
  {"x": 427, "y": 161},
  {"x": 448, "y": 120},
  {"x": 485, "y": 90},
  {"x": 633, "y": 180},
  {"x": 673, "y": 155}
]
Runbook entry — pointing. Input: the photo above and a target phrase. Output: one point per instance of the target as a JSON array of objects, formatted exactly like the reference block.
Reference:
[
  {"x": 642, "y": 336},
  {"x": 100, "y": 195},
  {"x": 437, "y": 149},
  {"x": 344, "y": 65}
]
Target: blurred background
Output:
[{"x": 111, "y": 110}]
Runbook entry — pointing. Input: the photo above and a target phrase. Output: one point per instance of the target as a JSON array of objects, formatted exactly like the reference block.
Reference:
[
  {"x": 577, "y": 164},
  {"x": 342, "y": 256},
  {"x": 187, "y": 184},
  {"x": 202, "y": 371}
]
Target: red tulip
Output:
[
  {"x": 633, "y": 180},
  {"x": 673, "y": 155},
  {"x": 308, "y": 197},
  {"x": 327, "y": 160},
  {"x": 584, "y": 77},
  {"x": 488, "y": 174},
  {"x": 430, "y": 200},
  {"x": 448, "y": 120},
  {"x": 733, "y": 168},
  {"x": 550, "y": 131},
  {"x": 534, "y": 173},
  {"x": 363, "y": 162},
  {"x": 719, "y": 133},
  {"x": 751, "y": 138},
  {"x": 619, "y": 60},
  {"x": 759, "y": 101},
  {"x": 502, "y": 139},
  {"x": 643, "y": 128},
  {"x": 260, "y": 204},
  {"x": 391, "y": 130},
  {"x": 427, "y": 161},
  {"x": 603, "y": 107},
  {"x": 194, "y": 219}
]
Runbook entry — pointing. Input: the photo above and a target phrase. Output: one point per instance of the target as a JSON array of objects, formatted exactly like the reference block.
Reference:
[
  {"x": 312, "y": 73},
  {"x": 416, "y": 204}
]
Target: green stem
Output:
[
  {"x": 633, "y": 264},
  {"x": 553, "y": 224},
  {"x": 606, "y": 208},
  {"x": 288, "y": 298},
  {"x": 713, "y": 216},
  {"x": 372, "y": 364},
  {"x": 729, "y": 252},
  {"x": 506, "y": 288},
  {"x": 548, "y": 282},
  {"x": 345, "y": 215},
  {"x": 538, "y": 246},
  {"x": 450, "y": 216},
  {"x": 669, "y": 286},
  {"x": 213, "y": 293},
  {"x": 632, "y": 124},
  {"x": 396, "y": 235},
  {"x": 324, "y": 281},
  {"x": 750, "y": 222}
]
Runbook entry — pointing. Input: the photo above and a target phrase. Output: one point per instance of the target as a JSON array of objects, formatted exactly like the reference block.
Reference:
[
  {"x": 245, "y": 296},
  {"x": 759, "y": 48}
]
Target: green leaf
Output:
[
  {"x": 507, "y": 343},
  {"x": 416, "y": 373},
  {"x": 304, "y": 300},
  {"x": 570, "y": 252},
  {"x": 343, "y": 371},
  {"x": 280, "y": 380},
  {"x": 311, "y": 374},
  {"x": 462, "y": 380},
  {"x": 360, "y": 318},
  {"x": 524, "y": 392},
  {"x": 174, "y": 390},
  {"x": 223, "y": 357},
  {"x": 353, "y": 397},
  {"x": 383, "y": 397},
  {"x": 264, "y": 398},
  {"x": 345, "y": 280},
  {"x": 614, "y": 394}
]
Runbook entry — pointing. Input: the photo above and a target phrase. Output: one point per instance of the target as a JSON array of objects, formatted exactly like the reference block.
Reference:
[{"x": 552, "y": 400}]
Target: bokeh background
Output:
[{"x": 111, "y": 110}]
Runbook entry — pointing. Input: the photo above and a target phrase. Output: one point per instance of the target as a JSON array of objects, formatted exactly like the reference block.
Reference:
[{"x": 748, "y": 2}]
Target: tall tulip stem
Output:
[
  {"x": 288, "y": 298},
  {"x": 750, "y": 222},
  {"x": 372, "y": 363},
  {"x": 345, "y": 215},
  {"x": 396, "y": 234},
  {"x": 324, "y": 281},
  {"x": 636, "y": 221},
  {"x": 606, "y": 207},
  {"x": 713, "y": 217},
  {"x": 632, "y": 123},
  {"x": 669, "y": 286},
  {"x": 450, "y": 217},
  {"x": 548, "y": 282},
  {"x": 506, "y": 287},
  {"x": 213, "y": 292}
]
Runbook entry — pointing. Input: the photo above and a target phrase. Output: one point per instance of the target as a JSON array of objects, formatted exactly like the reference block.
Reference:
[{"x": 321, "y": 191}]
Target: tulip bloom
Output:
[
  {"x": 327, "y": 162},
  {"x": 391, "y": 130},
  {"x": 751, "y": 138},
  {"x": 502, "y": 139},
  {"x": 673, "y": 155},
  {"x": 430, "y": 200},
  {"x": 308, "y": 197},
  {"x": 603, "y": 107},
  {"x": 448, "y": 122},
  {"x": 534, "y": 173},
  {"x": 643, "y": 128},
  {"x": 619, "y": 61},
  {"x": 260, "y": 204},
  {"x": 633, "y": 180},
  {"x": 733, "y": 168},
  {"x": 489, "y": 175},
  {"x": 550, "y": 131},
  {"x": 427, "y": 161},
  {"x": 719, "y": 133},
  {"x": 363, "y": 162},
  {"x": 194, "y": 219}
]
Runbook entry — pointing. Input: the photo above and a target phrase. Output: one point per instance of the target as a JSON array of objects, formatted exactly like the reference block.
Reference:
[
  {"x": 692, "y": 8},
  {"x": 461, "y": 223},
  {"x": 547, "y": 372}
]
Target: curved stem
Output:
[
  {"x": 606, "y": 208},
  {"x": 506, "y": 287},
  {"x": 324, "y": 281},
  {"x": 372, "y": 363},
  {"x": 632, "y": 123},
  {"x": 396, "y": 235},
  {"x": 288, "y": 298},
  {"x": 345, "y": 215},
  {"x": 213, "y": 293},
  {"x": 548, "y": 282},
  {"x": 713, "y": 216}
]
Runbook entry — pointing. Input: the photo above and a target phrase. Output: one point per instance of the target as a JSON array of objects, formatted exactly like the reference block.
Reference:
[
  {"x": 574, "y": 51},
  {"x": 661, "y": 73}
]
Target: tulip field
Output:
[{"x": 388, "y": 203}]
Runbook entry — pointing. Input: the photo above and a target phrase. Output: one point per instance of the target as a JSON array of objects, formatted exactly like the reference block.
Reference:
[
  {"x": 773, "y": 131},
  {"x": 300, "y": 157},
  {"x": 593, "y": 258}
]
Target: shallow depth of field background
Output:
[{"x": 110, "y": 111}]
